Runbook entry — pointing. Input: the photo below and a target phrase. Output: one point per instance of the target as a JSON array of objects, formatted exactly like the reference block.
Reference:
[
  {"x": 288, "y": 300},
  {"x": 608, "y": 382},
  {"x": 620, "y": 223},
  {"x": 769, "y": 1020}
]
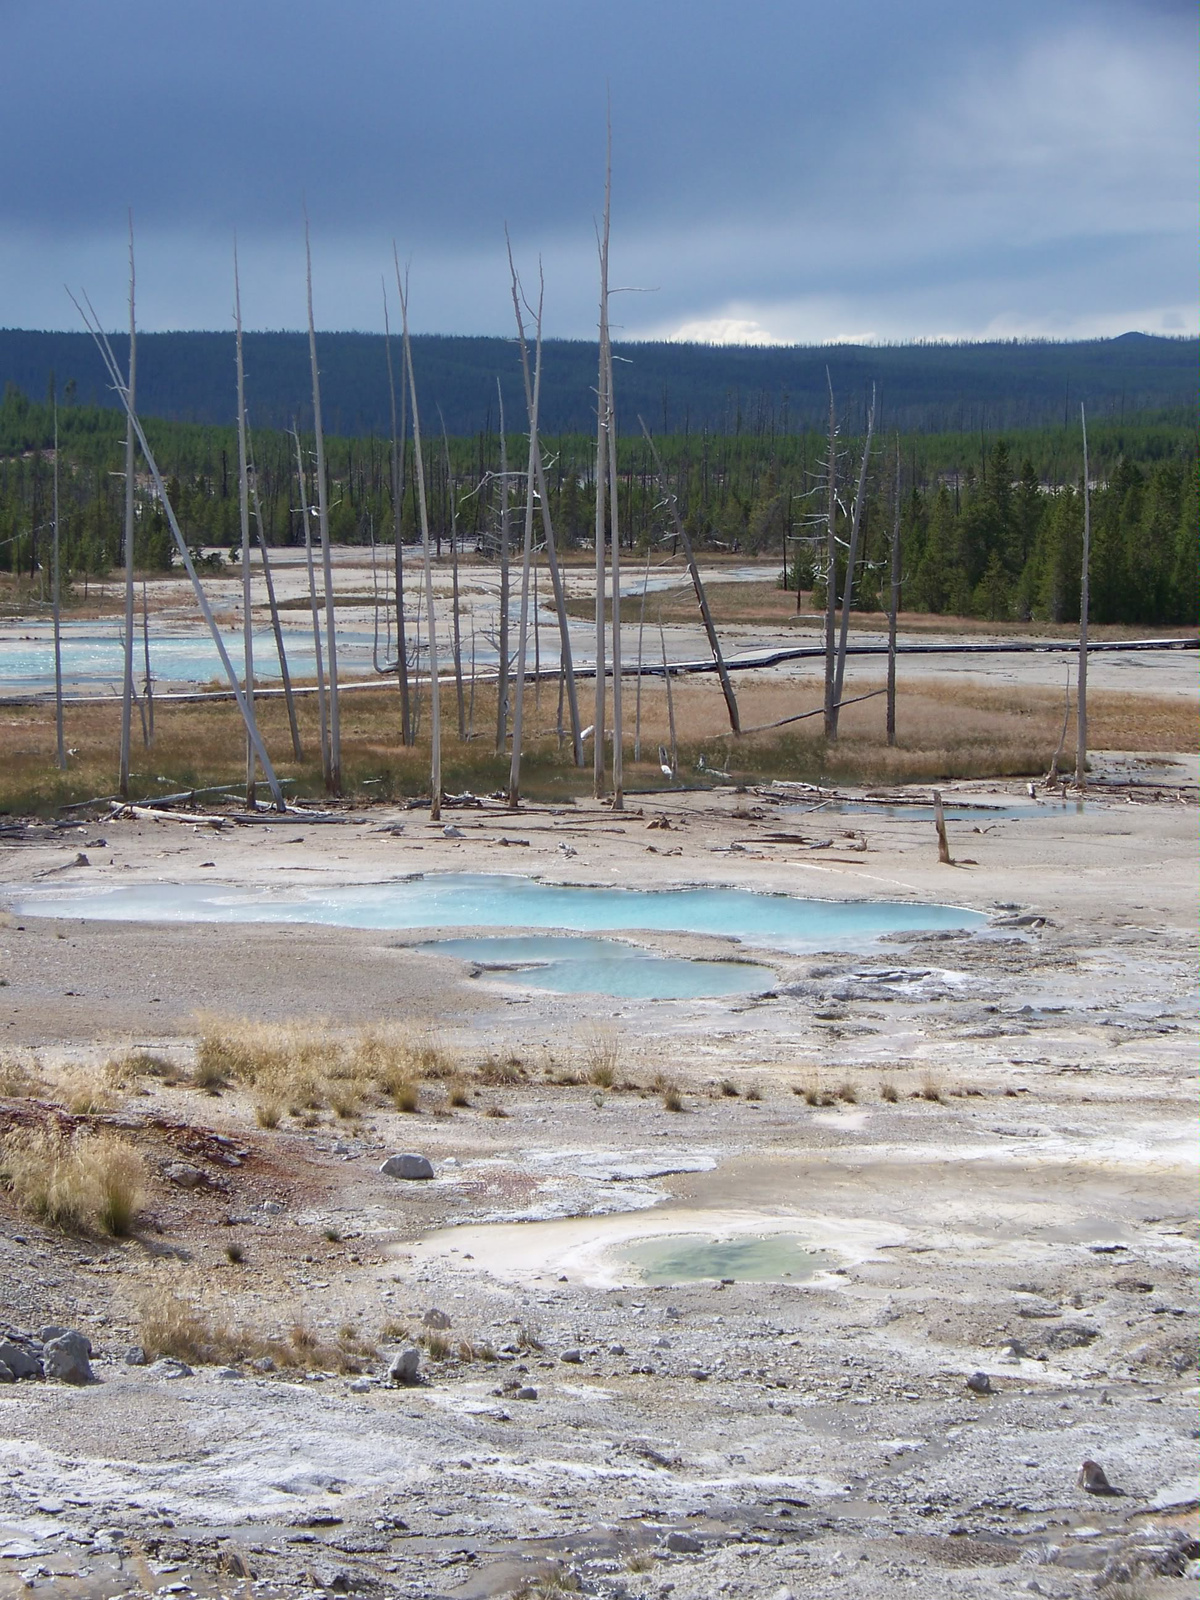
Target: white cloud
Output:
[{"x": 724, "y": 330}]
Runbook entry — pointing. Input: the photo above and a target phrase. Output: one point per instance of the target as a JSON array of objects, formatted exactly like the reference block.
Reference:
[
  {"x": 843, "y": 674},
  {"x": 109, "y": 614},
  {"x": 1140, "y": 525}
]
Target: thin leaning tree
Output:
[
  {"x": 333, "y": 776},
  {"x": 56, "y": 599},
  {"x": 130, "y": 460},
  {"x": 514, "y": 771},
  {"x": 851, "y": 562},
  {"x": 244, "y": 517},
  {"x": 435, "y": 707},
  {"x": 398, "y": 446}
]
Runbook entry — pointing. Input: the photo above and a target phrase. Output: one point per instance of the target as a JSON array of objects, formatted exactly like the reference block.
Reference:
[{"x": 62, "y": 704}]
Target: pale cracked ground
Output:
[{"x": 815, "y": 1438}]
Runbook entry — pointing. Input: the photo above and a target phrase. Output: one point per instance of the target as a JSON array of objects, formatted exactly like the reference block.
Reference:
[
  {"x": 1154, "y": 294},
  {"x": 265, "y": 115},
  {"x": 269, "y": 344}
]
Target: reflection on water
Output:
[
  {"x": 603, "y": 966},
  {"x": 465, "y": 900},
  {"x": 762, "y": 1258}
]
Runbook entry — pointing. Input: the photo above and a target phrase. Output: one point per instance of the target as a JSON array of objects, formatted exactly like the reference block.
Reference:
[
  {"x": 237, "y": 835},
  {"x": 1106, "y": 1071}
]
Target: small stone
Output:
[
  {"x": 263, "y": 1364},
  {"x": 362, "y": 1386},
  {"x": 979, "y": 1383},
  {"x": 168, "y": 1367},
  {"x": 19, "y": 1362},
  {"x": 526, "y": 1392},
  {"x": 572, "y": 1357},
  {"x": 616, "y": 1349},
  {"x": 135, "y": 1356},
  {"x": 405, "y": 1366},
  {"x": 699, "y": 1374},
  {"x": 183, "y": 1175},
  {"x": 407, "y": 1166},
  {"x": 272, "y": 1208},
  {"x": 684, "y": 1544},
  {"x": 434, "y": 1318},
  {"x": 451, "y": 832},
  {"x": 227, "y": 1372},
  {"x": 1092, "y": 1478},
  {"x": 66, "y": 1358}
]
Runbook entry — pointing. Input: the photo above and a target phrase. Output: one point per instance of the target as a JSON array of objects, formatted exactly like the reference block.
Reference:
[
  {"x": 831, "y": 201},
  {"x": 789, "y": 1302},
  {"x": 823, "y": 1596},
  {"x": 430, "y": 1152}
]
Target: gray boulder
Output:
[
  {"x": 66, "y": 1359},
  {"x": 405, "y": 1366},
  {"x": 684, "y": 1544},
  {"x": 136, "y": 1356},
  {"x": 407, "y": 1166},
  {"x": 433, "y": 1318},
  {"x": 19, "y": 1362},
  {"x": 185, "y": 1176},
  {"x": 979, "y": 1383},
  {"x": 7, "y": 1375}
]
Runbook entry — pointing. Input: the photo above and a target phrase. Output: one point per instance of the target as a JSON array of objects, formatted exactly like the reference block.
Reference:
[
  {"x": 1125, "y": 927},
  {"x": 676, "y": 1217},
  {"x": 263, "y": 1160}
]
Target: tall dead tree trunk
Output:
[
  {"x": 618, "y": 768},
  {"x": 130, "y": 457},
  {"x": 435, "y": 686},
  {"x": 831, "y": 569},
  {"x": 56, "y": 596},
  {"x": 684, "y": 538},
  {"x": 335, "y": 735},
  {"x": 285, "y": 675},
  {"x": 514, "y": 774},
  {"x": 315, "y": 614},
  {"x": 92, "y": 323},
  {"x": 505, "y": 598},
  {"x": 851, "y": 562},
  {"x": 1085, "y": 574},
  {"x": 399, "y": 441},
  {"x": 893, "y": 605},
  {"x": 601, "y": 524},
  {"x": 244, "y": 519},
  {"x": 455, "y": 620}
]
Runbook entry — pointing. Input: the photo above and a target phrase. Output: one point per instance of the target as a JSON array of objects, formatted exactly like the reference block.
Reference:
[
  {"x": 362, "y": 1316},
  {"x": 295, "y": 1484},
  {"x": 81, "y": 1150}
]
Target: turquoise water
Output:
[
  {"x": 980, "y": 814},
  {"x": 762, "y": 1258},
  {"x": 481, "y": 900},
  {"x": 603, "y": 966}
]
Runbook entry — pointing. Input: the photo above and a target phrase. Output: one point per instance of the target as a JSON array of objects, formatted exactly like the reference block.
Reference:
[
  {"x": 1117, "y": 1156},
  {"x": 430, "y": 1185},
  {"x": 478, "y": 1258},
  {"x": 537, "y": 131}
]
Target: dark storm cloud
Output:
[{"x": 780, "y": 164}]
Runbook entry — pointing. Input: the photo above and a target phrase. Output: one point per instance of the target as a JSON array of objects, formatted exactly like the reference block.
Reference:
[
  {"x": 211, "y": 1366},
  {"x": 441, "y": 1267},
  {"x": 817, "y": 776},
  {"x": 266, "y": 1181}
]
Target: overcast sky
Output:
[{"x": 782, "y": 170}]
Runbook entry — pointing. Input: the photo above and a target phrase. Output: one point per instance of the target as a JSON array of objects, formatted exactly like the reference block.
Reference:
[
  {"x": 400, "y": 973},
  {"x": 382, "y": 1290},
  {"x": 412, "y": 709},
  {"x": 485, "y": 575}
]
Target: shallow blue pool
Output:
[
  {"x": 569, "y": 965},
  {"x": 482, "y": 900}
]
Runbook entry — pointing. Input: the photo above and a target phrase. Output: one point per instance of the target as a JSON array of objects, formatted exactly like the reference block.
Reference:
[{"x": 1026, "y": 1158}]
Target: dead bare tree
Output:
[
  {"x": 831, "y": 568},
  {"x": 615, "y": 543},
  {"x": 637, "y": 699},
  {"x": 130, "y": 457},
  {"x": 435, "y": 687},
  {"x": 681, "y": 533},
  {"x": 514, "y": 773},
  {"x": 893, "y": 603},
  {"x": 92, "y": 323},
  {"x": 334, "y": 778},
  {"x": 505, "y": 598},
  {"x": 566, "y": 656},
  {"x": 1081, "y": 691},
  {"x": 285, "y": 675},
  {"x": 851, "y": 561},
  {"x": 244, "y": 518},
  {"x": 148, "y": 684},
  {"x": 315, "y": 613},
  {"x": 399, "y": 441},
  {"x": 455, "y": 623},
  {"x": 56, "y": 597},
  {"x": 602, "y": 478}
]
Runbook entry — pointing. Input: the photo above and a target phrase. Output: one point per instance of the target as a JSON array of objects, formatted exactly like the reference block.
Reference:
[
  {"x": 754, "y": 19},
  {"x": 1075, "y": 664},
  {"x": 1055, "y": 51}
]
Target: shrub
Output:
[{"x": 71, "y": 1181}]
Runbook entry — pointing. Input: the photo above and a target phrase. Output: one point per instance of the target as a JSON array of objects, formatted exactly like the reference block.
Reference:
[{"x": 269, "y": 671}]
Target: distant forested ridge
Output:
[
  {"x": 677, "y": 388},
  {"x": 991, "y": 523}
]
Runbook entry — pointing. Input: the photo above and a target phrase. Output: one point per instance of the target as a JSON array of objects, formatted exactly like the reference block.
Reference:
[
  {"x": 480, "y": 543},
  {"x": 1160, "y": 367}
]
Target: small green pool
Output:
[{"x": 749, "y": 1258}]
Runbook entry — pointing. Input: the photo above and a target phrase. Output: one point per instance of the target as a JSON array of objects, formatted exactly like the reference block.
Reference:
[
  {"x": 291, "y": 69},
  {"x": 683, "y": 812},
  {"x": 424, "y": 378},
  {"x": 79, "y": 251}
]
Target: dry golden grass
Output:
[
  {"x": 948, "y": 727},
  {"x": 20, "y": 1078},
  {"x": 175, "y": 1319},
  {"x": 77, "y": 1181},
  {"x": 602, "y": 1056}
]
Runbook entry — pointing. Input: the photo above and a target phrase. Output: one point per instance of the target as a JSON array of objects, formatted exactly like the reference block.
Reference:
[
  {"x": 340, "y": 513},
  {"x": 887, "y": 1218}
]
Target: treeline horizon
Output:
[
  {"x": 676, "y": 387},
  {"x": 991, "y": 524}
]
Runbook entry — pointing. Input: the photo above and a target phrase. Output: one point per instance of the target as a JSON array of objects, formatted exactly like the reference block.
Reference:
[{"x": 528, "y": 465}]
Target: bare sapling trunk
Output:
[
  {"x": 893, "y": 605},
  {"x": 102, "y": 344},
  {"x": 505, "y": 598},
  {"x": 851, "y": 561},
  {"x": 684, "y": 539},
  {"x": 1081, "y": 692},
  {"x": 615, "y": 542},
  {"x": 1052, "y": 775},
  {"x": 566, "y": 655},
  {"x": 56, "y": 598},
  {"x": 244, "y": 517},
  {"x": 939, "y": 822},
  {"x": 454, "y": 610},
  {"x": 148, "y": 688},
  {"x": 285, "y": 675},
  {"x": 399, "y": 443},
  {"x": 601, "y": 510},
  {"x": 637, "y": 698},
  {"x": 315, "y": 614},
  {"x": 334, "y": 779},
  {"x": 514, "y": 771},
  {"x": 662, "y": 640},
  {"x": 831, "y": 568},
  {"x": 127, "y": 679},
  {"x": 435, "y": 687}
]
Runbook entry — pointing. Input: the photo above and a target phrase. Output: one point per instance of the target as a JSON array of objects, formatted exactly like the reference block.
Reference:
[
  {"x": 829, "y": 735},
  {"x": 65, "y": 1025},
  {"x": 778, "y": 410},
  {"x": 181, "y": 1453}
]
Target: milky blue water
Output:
[
  {"x": 480, "y": 900},
  {"x": 980, "y": 815},
  {"x": 603, "y": 966}
]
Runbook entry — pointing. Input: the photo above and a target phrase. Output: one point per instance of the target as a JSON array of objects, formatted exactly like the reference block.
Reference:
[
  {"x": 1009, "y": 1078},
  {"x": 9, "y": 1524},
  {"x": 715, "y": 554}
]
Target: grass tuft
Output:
[{"x": 76, "y": 1181}]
